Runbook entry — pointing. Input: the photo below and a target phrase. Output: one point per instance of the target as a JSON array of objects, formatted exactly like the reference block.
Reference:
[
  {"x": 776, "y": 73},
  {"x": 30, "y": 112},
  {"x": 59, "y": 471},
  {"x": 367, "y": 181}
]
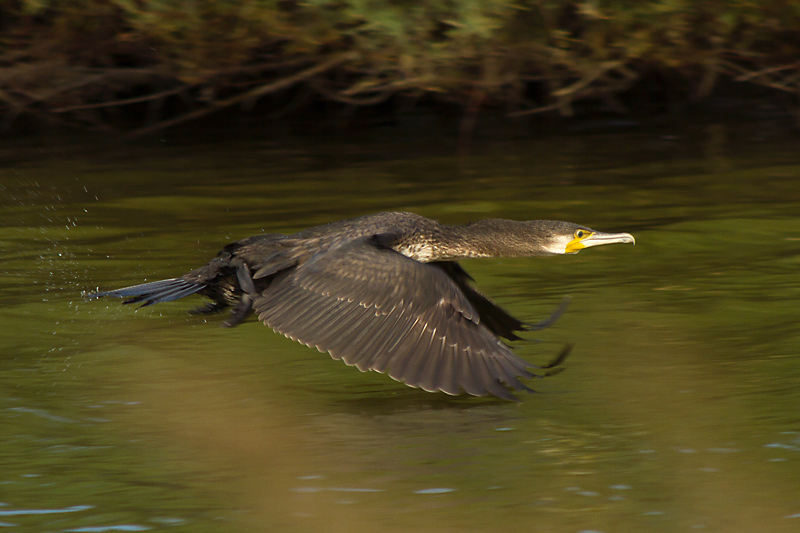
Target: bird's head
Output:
[{"x": 569, "y": 238}]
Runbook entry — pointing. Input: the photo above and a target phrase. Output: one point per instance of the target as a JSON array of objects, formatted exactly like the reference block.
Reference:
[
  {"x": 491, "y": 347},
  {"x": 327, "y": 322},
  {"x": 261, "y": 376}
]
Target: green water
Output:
[{"x": 679, "y": 408}]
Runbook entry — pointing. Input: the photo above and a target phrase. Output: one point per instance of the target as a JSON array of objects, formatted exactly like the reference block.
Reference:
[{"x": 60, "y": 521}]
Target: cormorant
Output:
[{"x": 383, "y": 292}]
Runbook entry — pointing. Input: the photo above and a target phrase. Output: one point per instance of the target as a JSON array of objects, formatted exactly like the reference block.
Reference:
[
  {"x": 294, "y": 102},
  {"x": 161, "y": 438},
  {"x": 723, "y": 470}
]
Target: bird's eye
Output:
[{"x": 580, "y": 234}]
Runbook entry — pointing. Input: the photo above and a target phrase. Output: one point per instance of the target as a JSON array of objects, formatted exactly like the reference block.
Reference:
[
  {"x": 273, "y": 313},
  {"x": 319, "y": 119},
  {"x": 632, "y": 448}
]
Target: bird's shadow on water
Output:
[
  {"x": 384, "y": 402},
  {"x": 386, "y": 415}
]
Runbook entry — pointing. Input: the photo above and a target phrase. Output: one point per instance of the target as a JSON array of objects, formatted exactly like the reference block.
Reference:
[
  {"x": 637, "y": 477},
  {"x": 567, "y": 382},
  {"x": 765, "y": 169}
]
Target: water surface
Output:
[{"x": 678, "y": 409}]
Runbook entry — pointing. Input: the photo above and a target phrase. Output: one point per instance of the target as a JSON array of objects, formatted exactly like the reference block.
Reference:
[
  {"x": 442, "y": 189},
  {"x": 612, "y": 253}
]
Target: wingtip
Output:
[
  {"x": 553, "y": 318},
  {"x": 558, "y": 360}
]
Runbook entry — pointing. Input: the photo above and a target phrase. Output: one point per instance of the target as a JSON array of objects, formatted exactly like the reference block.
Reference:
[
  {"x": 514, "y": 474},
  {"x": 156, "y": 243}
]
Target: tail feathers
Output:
[{"x": 155, "y": 292}]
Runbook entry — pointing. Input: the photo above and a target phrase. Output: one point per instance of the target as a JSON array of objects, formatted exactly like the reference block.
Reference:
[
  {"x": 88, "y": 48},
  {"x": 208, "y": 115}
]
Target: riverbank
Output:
[{"x": 140, "y": 66}]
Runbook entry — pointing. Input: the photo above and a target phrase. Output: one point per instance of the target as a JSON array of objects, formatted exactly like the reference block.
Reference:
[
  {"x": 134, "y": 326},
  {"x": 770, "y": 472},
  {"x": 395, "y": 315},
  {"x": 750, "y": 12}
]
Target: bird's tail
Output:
[{"x": 154, "y": 292}]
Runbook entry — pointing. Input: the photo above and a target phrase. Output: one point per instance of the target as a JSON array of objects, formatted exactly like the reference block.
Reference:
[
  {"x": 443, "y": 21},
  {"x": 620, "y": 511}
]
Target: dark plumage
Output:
[{"x": 382, "y": 292}]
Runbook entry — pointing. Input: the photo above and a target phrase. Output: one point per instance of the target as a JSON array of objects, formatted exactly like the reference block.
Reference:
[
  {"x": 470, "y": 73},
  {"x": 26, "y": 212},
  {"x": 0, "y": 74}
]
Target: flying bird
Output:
[{"x": 384, "y": 292}]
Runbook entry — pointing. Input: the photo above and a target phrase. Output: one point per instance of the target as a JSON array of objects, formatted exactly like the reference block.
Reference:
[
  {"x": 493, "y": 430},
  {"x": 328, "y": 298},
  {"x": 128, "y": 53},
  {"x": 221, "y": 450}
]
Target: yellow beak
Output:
[{"x": 596, "y": 238}]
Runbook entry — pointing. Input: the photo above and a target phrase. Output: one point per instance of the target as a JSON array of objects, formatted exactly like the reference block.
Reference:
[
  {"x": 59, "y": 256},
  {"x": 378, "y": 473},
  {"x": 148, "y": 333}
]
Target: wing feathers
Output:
[
  {"x": 379, "y": 310},
  {"x": 445, "y": 380}
]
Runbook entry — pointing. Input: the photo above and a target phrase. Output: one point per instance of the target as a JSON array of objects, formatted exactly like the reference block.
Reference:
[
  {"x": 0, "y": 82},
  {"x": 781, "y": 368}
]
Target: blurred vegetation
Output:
[{"x": 150, "y": 63}]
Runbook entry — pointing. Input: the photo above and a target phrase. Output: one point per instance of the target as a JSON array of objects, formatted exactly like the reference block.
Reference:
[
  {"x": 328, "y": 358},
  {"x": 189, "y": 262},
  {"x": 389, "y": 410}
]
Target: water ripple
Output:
[
  {"x": 442, "y": 490},
  {"x": 102, "y": 529},
  {"x": 19, "y": 512}
]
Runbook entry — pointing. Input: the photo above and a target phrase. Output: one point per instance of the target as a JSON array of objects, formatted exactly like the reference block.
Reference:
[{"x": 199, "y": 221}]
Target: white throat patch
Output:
[{"x": 558, "y": 245}]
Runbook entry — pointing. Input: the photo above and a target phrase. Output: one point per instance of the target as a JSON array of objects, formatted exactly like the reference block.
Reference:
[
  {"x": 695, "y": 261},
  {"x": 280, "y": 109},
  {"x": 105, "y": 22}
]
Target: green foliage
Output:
[{"x": 575, "y": 49}]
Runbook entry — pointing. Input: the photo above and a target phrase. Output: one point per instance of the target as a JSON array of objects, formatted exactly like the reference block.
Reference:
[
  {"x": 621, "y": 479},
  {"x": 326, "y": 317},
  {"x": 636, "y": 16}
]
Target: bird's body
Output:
[{"x": 382, "y": 292}]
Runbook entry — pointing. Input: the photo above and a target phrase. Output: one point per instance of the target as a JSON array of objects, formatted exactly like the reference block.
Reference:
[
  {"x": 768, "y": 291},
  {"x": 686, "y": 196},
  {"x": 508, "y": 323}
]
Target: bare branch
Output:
[
  {"x": 116, "y": 103},
  {"x": 249, "y": 95}
]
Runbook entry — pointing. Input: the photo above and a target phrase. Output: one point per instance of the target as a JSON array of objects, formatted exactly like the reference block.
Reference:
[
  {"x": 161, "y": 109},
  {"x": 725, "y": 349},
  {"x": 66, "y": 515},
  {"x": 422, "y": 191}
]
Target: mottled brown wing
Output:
[{"x": 379, "y": 310}]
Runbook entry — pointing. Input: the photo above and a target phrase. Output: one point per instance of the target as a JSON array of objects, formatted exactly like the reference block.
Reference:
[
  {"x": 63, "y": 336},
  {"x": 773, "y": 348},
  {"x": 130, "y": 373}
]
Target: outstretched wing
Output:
[{"x": 379, "y": 310}]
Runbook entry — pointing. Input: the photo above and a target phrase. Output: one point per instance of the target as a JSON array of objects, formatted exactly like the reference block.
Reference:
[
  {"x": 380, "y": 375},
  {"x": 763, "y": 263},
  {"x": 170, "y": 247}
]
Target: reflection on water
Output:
[{"x": 678, "y": 409}]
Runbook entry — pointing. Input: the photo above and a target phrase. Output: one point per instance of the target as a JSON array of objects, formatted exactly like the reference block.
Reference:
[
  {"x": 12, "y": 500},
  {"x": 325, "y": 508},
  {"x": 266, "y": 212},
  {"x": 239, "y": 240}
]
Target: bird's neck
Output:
[
  {"x": 486, "y": 238},
  {"x": 504, "y": 238}
]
